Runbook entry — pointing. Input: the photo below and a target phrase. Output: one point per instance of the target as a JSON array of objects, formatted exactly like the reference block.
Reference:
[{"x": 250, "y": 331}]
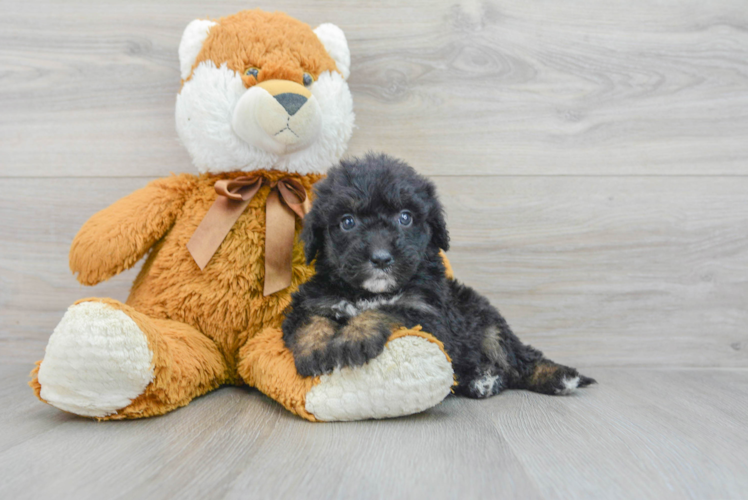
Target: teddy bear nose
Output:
[
  {"x": 291, "y": 102},
  {"x": 381, "y": 258}
]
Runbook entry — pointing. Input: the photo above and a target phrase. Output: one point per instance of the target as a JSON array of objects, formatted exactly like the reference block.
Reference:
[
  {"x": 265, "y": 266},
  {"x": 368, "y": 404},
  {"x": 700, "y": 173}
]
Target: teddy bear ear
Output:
[
  {"x": 192, "y": 42},
  {"x": 336, "y": 45}
]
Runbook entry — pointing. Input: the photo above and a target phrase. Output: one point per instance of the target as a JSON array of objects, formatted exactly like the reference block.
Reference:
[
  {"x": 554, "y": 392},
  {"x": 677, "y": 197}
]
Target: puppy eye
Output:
[
  {"x": 406, "y": 218},
  {"x": 347, "y": 222},
  {"x": 252, "y": 71},
  {"x": 308, "y": 79}
]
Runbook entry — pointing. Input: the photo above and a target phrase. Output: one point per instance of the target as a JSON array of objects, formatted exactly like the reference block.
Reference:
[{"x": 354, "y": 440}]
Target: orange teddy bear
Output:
[{"x": 264, "y": 110}]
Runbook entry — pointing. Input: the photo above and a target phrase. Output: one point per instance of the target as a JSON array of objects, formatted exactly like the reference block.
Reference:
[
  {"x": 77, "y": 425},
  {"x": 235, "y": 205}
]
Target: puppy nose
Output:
[
  {"x": 291, "y": 102},
  {"x": 381, "y": 258}
]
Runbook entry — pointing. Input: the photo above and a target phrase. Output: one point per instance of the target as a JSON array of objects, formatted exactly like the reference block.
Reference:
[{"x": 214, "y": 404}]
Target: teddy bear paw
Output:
[
  {"x": 411, "y": 375},
  {"x": 96, "y": 362}
]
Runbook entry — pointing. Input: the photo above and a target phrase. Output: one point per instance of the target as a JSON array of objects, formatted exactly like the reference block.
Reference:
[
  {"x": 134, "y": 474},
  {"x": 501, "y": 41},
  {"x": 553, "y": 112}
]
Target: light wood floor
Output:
[
  {"x": 593, "y": 159},
  {"x": 642, "y": 433}
]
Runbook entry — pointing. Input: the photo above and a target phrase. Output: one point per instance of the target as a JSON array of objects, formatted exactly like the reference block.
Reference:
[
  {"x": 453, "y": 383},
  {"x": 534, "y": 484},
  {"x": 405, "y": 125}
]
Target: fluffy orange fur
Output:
[
  {"x": 280, "y": 46},
  {"x": 195, "y": 321},
  {"x": 225, "y": 300}
]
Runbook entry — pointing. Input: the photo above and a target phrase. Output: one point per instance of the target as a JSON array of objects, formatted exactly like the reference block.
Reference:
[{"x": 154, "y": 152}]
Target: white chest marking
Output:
[
  {"x": 486, "y": 385},
  {"x": 348, "y": 309}
]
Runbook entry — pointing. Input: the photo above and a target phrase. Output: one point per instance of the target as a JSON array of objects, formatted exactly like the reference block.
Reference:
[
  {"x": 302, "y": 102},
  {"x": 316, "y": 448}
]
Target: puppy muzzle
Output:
[
  {"x": 379, "y": 281},
  {"x": 278, "y": 116}
]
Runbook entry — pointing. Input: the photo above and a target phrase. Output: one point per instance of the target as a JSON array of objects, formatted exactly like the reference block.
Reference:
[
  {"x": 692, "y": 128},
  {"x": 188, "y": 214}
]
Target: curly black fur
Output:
[{"x": 384, "y": 270}]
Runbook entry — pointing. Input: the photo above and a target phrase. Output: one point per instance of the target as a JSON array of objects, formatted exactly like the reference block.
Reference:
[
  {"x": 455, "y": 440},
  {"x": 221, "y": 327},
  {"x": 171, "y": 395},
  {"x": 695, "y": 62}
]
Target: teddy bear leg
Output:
[
  {"x": 412, "y": 374},
  {"x": 107, "y": 360}
]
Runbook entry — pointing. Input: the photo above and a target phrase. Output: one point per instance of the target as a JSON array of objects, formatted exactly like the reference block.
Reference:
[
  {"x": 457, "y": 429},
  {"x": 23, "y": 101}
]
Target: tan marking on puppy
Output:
[
  {"x": 543, "y": 372},
  {"x": 493, "y": 348},
  {"x": 314, "y": 336},
  {"x": 367, "y": 324}
]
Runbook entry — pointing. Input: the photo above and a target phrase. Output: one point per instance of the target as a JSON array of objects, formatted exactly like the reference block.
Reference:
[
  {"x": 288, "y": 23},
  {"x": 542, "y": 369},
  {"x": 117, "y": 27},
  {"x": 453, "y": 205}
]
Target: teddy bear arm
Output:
[
  {"x": 413, "y": 374},
  {"x": 115, "y": 238}
]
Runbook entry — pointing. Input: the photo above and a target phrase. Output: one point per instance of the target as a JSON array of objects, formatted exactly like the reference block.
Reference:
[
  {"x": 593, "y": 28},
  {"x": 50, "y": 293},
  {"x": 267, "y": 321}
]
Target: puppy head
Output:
[{"x": 373, "y": 221}]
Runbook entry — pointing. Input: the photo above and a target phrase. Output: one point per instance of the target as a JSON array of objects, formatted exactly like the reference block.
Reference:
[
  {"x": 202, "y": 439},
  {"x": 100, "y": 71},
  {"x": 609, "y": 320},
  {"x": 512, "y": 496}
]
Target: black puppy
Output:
[{"x": 375, "y": 229}]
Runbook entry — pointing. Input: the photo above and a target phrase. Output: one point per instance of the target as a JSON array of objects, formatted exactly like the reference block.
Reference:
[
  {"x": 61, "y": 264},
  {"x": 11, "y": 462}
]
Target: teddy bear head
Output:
[{"x": 264, "y": 91}]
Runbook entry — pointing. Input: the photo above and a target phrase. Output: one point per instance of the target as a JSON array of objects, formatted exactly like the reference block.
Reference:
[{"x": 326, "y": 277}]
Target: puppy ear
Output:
[
  {"x": 437, "y": 221},
  {"x": 439, "y": 233},
  {"x": 312, "y": 235}
]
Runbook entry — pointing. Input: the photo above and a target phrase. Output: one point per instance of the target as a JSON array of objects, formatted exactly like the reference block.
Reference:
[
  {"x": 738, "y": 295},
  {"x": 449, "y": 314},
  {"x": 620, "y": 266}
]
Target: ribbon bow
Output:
[{"x": 233, "y": 197}]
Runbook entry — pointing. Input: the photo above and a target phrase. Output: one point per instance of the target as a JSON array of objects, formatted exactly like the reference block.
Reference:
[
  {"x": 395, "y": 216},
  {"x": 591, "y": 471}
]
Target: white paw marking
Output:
[
  {"x": 96, "y": 362},
  {"x": 483, "y": 387},
  {"x": 570, "y": 385}
]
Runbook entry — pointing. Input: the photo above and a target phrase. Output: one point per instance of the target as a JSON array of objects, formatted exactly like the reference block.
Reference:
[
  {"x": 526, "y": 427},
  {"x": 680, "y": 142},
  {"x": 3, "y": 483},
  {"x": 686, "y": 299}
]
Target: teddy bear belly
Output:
[{"x": 225, "y": 300}]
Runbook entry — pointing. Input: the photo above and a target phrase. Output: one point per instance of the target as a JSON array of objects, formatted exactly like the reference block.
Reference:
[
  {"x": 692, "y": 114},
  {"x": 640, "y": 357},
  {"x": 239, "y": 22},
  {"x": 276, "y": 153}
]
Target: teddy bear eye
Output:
[
  {"x": 252, "y": 71},
  {"x": 347, "y": 222},
  {"x": 406, "y": 218},
  {"x": 308, "y": 79}
]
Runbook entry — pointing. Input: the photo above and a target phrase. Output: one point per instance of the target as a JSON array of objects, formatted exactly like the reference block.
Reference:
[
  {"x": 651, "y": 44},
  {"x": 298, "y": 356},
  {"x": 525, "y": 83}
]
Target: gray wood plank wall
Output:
[{"x": 592, "y": 156}]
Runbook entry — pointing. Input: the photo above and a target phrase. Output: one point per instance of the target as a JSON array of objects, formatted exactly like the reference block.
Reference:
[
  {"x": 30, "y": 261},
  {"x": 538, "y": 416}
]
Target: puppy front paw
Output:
[
  {"x": 362, "y": 339},
  {"x": 310, "y": 347}
]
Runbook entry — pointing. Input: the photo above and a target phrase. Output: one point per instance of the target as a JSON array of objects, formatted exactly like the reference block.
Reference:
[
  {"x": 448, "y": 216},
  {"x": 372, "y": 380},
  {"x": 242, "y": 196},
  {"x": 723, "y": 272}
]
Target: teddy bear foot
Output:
[
  {"x": 411, "y": 375},
  {"x": 97, "y": 361}
]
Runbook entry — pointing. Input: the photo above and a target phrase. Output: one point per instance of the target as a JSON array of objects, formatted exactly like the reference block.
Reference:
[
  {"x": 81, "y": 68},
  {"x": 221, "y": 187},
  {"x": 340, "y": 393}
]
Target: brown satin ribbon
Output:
[{"x": 286, "y": 198}]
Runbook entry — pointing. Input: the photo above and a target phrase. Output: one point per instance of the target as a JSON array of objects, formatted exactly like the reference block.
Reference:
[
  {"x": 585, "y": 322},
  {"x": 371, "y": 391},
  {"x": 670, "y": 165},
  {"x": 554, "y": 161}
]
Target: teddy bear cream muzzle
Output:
[{"x": 278, "y": 116}]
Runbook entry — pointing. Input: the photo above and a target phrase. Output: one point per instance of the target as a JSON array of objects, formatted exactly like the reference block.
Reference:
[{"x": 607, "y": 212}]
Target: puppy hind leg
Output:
[
  {"x": 524, "y": 367},
  {"x": 490, "y": 372}
]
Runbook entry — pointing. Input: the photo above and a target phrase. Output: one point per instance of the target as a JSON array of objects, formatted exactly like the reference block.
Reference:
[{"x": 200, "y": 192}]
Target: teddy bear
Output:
[{"x": 263, "y": 110}]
